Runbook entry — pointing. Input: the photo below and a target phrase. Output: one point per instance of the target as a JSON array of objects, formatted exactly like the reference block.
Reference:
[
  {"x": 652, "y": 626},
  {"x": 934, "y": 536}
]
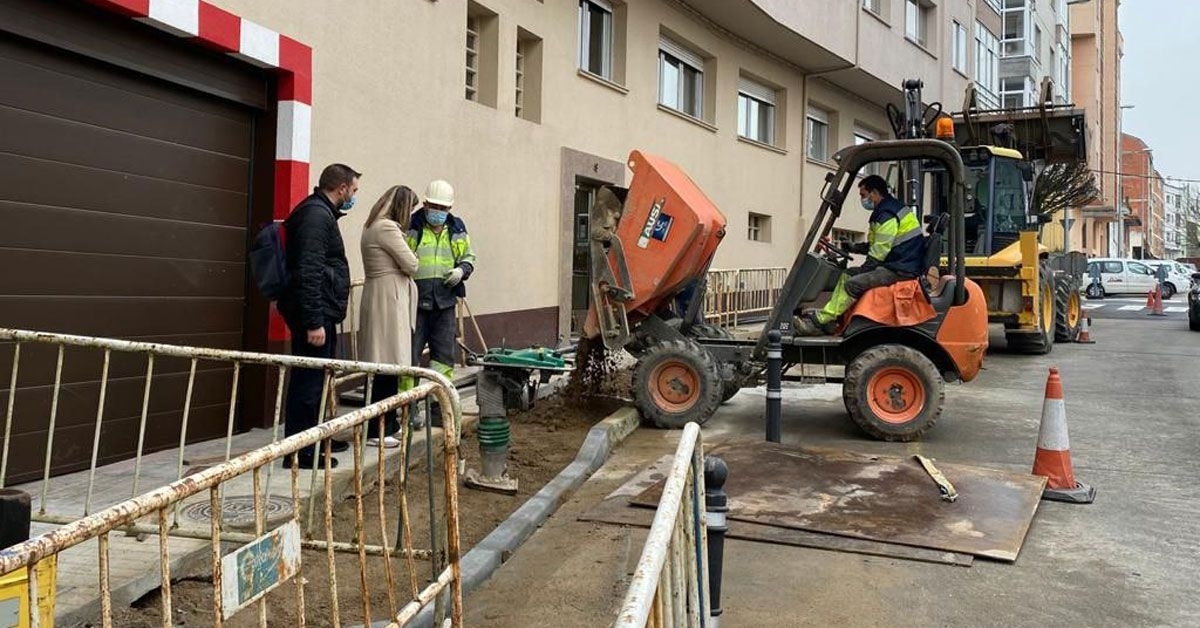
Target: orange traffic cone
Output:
[
  {"x": 1053, "y": 459},
  {"x": 1085, "y": 332},
  {"x": 1150, "y": 298},
  {"x": 1157, "y": 308}
]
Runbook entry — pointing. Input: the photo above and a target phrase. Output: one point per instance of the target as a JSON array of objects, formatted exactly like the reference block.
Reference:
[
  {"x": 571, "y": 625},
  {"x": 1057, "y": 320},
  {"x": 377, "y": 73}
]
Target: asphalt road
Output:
[{"x": 1129, "y": 559}]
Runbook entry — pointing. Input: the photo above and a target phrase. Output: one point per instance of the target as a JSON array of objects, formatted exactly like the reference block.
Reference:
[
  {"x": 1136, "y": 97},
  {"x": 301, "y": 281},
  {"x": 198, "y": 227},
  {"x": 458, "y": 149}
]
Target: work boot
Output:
[{"x": 808, "y": 325}]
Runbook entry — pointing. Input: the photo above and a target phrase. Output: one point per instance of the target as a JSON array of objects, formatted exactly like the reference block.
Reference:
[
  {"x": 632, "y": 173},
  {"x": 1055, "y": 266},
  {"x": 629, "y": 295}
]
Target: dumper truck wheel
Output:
[
  {"x": 893, "y": 392},
  {"x": 676, "y": 382},
  {"x": 732, "y": 379},
  {"x": 1068, "y": 310},
  {"x": 1038, "y": 341}
]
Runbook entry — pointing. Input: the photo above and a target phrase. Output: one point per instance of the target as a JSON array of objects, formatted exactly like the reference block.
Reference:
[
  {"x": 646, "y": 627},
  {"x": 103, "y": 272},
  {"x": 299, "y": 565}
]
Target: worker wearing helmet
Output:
[
  {"x": 895, "y": 251},
  {"x": 445, "y": 261}
]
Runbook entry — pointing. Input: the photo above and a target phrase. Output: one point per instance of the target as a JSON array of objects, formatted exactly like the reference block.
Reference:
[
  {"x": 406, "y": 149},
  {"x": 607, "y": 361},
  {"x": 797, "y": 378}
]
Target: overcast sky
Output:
[{"x": 1159, "y": 77}]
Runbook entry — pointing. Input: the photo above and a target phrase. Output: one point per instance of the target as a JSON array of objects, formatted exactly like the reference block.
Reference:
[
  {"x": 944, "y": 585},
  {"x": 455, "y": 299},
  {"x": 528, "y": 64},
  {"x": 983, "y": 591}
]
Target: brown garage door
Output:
[{"x": 123, "y": 213}]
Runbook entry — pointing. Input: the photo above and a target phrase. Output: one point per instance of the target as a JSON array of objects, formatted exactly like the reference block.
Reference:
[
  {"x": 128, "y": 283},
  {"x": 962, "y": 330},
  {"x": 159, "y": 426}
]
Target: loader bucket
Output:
[{"x": 666, "y": 233}]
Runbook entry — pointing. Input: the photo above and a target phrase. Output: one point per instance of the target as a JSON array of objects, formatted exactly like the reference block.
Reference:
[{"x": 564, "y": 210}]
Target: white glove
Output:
[{"x": 454, "y": 277}]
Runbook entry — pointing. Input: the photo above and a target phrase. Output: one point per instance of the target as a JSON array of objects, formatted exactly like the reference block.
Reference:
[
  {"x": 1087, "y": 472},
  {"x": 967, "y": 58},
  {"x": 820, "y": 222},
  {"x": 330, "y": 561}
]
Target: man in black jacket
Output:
[{"x": 315, "y": 301}]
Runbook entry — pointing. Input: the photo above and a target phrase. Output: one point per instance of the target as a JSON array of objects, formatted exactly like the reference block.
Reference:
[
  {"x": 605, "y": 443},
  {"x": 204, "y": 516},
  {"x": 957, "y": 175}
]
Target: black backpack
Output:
[{"x": 268, "y": 261}]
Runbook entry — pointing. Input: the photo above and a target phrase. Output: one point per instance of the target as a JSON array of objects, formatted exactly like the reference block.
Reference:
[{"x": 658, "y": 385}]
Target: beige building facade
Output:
[
  {"x": 526, "y": 106},
  {"x": 1096, "y": 46}
]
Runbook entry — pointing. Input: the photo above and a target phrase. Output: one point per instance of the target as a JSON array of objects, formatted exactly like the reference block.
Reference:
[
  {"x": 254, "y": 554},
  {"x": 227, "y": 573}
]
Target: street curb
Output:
[{"x": 490, "y": 553}]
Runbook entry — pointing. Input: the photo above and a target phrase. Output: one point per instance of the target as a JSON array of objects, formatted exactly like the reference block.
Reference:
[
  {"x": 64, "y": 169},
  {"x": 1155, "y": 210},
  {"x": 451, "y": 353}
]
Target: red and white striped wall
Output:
[{"x": 220, "y": 30}]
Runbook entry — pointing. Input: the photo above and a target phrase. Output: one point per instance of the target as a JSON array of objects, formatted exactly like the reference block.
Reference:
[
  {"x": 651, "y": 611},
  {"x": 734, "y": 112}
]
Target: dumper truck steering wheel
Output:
[{"x": 832, "y": 252}]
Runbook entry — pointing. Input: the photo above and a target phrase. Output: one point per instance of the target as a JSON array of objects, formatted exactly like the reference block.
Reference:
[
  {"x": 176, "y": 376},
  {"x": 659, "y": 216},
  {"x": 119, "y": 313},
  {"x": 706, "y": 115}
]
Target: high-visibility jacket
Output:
[
  {"x": 438, "y": 254},
  {"x": 895, "y": 238}
]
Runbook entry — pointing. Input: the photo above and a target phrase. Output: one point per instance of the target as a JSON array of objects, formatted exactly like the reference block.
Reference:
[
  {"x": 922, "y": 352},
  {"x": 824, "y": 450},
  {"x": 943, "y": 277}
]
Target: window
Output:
[
  {"x": 1016, "y": 28},
  {"x": 916, "y": 20},
  {"x": 528, "y": 70},
  {"x": 1012, "y": 92},
  {"x": 862, "y": 136},
  {"x": 987, "y": 64},
  {"x": 472, "y": 58},
  {"x": 958, "y": 50},
  {"x": 1139, "y": 268},
  {"x": 680, "y": 78},
  {"x": 482, "y": 54},
  {"x": 818, "y": 134},
  {"x": 1036, "y": 53},
  {"x": 1008, "y": 204},
  {"x": 874, "y": 6},
  {"x": 596, "y": 37},
  {"x": 1113, "y": 267},
  {"x": 758, "y": 228},
  {"x": 756, "y": 111}
]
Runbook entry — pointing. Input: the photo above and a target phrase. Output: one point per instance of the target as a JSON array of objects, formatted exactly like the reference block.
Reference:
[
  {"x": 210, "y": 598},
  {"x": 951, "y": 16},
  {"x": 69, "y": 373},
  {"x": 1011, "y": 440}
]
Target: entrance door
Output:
[{"x": 581, "y": 295}]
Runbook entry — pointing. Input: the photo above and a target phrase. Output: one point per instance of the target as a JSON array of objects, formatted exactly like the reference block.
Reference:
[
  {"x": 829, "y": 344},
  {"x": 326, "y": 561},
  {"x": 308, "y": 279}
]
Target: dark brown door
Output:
[{"x": 123, "y": 213}]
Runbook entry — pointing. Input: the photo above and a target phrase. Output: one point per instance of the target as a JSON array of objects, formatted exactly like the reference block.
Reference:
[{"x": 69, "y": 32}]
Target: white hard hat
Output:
[{"x": 440, "y": 193}]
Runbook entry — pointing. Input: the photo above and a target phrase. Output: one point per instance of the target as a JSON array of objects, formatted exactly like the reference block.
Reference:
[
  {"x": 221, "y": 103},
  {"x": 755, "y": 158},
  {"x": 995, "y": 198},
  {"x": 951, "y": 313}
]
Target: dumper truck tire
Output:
[
  {"x": 893, "y": 392},
  {"x": 732, "y": 378},
  {"x": 1038, "y": 341},
  {"x": 1068, "y": 309},
  {"x": 675, "y": 383}
]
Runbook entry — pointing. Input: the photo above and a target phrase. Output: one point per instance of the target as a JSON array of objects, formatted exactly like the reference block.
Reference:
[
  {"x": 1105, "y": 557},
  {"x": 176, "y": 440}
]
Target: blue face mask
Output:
[
  {"x": 867, "y": 204},
  {"x": 347, "y": 205},
  {"x": 436, "y": 217}
]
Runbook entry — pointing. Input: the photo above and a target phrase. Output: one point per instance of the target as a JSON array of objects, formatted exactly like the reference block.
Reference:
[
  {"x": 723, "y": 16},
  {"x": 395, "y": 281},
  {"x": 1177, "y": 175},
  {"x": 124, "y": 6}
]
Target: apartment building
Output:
[
  {"x": 1175, "y": 215},
  {"x": 1095, "y": 76},
  {"x": 1141, "y": 190},
  {"x": 1036, "y": 44}
]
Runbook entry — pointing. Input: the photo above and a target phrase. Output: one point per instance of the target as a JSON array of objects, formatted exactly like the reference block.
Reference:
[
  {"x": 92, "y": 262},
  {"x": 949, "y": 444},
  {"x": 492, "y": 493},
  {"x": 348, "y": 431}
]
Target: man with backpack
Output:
[{"x": 314, "y": 299}]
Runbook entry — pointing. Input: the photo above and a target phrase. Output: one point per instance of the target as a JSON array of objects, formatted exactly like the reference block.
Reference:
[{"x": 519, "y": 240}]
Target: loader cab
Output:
[{"x": 997, "y": 211}]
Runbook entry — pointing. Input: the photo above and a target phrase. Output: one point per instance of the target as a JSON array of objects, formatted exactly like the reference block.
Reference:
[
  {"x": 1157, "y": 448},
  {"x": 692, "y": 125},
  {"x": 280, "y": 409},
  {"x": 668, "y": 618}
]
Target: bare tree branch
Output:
[{"x": 1064, "y": 185}]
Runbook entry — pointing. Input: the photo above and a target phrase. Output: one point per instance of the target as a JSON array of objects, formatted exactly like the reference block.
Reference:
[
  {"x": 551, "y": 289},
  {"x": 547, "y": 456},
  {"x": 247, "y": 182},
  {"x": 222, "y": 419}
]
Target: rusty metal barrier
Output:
[
  {"x": 670, "y": 585},
  {"x": 149, "y": 512},
  {"x": 738, "y": 294}
]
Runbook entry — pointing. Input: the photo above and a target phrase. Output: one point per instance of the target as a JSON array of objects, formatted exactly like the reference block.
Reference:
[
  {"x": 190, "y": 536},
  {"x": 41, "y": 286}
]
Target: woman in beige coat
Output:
[{"x": 389, "y": 299}]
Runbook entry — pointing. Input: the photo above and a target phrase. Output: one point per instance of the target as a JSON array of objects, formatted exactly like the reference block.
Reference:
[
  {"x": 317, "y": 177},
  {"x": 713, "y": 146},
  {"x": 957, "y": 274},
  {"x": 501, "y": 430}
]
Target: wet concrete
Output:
[{"x": 1130, "y": 559}]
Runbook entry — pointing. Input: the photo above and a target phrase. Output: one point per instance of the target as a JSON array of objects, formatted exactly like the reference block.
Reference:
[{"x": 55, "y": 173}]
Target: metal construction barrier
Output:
[
  {"x": 265, "y": 559},
  {"x": 670, "y": 586},
  {"x": 746, "y": 293}
]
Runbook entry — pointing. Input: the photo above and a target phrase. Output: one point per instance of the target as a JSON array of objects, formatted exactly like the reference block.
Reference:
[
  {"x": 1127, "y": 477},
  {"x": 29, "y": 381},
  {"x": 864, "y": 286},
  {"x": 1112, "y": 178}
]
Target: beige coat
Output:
[{"x": 389, "y": 300}]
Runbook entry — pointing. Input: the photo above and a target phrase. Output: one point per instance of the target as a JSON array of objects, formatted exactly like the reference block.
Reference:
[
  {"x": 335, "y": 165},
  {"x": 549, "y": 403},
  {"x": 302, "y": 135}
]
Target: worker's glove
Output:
[
  {"x": 860, "y": 248},
  {"x": 868, "y": 266},
  {"x": 453, "y": 278}
]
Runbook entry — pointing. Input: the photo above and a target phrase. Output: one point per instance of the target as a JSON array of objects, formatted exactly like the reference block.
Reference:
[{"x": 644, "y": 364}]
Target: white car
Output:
[
  {"x": 1179, "y": 277},
  {"x": 1119, "y": 276}
]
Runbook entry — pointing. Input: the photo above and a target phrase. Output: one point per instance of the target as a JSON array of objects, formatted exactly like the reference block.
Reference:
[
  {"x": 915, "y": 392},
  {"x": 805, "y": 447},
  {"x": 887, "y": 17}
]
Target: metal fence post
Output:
[
  {"x": 774, "y": 384},
  {"x": 715, "y": 507}
]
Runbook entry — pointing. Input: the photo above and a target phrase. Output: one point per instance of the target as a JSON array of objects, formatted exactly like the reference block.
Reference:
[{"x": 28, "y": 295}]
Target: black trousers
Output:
[
  {"x": 304, "y": 388},
  {"x": 435, "y": 328}
]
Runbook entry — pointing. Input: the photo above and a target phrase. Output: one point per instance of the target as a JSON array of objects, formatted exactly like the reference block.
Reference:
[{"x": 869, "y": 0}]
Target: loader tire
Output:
[
  {"x": 893, "y": 392},
  {"x": 1041, "y": 340},
  {"x": 676, "y": 382},
  {"x": 1068, "y": 309},
  {"x": 732, "y": 379}
]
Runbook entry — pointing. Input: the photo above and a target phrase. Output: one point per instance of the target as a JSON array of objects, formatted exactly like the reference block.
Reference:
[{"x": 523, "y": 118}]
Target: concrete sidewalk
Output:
[
  {"x": 134, "y": 563},
  {"x": 1127, "y": 560}
]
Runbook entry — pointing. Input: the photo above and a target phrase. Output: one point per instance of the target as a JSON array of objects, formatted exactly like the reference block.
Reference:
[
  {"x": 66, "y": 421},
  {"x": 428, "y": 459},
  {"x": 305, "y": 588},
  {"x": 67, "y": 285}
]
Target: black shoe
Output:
[
  {"x": 337, "y": 446},
  {"x": 307, "y": 462}
]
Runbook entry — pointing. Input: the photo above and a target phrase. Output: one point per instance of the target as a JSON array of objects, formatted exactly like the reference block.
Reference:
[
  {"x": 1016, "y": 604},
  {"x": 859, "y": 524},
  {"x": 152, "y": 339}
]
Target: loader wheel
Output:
[
  {"x": 731, "y": 376},
  {"x": 1068, "y": 311},
  {"x": 676, "y": 382},
  {"x": 1041, "y": 340},
  {"x": 893, "y": 392}
]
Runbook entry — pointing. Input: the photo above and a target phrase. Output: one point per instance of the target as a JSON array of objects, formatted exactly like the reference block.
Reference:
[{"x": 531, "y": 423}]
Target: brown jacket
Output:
[{"x": 389, "y": 300}]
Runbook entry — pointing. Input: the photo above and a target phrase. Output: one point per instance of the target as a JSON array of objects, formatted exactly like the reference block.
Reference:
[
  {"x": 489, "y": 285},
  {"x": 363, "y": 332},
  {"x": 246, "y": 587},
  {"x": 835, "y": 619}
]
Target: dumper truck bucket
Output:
[
  {"x": 1045, "y": 132},
  {"x": 648, "y": 243}
]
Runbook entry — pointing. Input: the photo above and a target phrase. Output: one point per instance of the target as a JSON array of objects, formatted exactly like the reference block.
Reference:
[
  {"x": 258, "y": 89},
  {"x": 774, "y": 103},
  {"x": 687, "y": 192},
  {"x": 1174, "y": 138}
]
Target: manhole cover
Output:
[{"x": 237, "y": 511}]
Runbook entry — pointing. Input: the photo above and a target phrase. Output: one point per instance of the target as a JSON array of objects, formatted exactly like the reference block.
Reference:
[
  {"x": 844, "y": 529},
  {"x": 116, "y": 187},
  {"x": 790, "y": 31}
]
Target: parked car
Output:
[
  {"x": 1194, "y": 303},
  {"x": 1179, "y": 278},
  {"x": 1120, "y": 276}
]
